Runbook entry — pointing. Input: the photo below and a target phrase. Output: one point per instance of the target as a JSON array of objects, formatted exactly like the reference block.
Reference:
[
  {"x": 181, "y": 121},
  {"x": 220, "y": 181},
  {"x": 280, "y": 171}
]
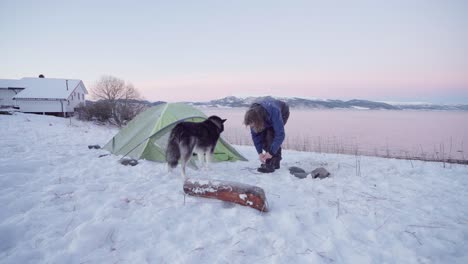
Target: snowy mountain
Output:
[
  {"x": 459, "y": 107},
  {"x": 296, "y": 102},
  {"x": 232, "y": 101}
]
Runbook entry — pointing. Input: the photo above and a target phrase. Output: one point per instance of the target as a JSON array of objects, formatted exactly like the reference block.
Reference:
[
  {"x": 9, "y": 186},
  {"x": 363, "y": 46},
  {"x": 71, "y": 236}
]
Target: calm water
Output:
[{"x": 423, "y": 134}]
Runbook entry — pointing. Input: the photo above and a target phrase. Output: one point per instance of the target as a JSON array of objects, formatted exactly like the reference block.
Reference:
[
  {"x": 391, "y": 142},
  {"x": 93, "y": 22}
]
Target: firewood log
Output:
[{"x": 234, "y": 192}]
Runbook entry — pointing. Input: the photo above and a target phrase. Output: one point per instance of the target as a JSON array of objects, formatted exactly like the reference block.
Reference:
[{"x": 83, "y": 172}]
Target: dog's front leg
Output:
[
  {"x": 209, "y": 159},
  {"x": 201, "y": 159}
]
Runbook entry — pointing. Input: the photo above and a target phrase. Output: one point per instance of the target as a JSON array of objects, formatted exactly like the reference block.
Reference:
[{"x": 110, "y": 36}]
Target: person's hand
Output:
[{"x": 261, "y": 157}]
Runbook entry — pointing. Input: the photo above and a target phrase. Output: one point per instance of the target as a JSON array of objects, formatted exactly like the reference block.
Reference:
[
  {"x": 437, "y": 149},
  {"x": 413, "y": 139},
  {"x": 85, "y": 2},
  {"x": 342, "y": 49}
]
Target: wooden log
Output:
[{"x": 243, "y": 194}]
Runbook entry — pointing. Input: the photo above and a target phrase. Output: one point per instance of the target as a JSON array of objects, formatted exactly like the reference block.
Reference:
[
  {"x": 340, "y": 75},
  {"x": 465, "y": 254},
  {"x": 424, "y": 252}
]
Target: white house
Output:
[
  {"x": 43, "y": 95},
  {"x": 8, "y": 89}
]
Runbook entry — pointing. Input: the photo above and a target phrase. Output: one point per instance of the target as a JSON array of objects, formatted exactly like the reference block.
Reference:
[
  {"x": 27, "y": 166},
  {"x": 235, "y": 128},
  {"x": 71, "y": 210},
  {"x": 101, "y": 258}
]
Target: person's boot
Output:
[
  {"x": 276, "y": 162},
  {"x": 266, "y": 167},
  {"x": 277, "y": 159}
]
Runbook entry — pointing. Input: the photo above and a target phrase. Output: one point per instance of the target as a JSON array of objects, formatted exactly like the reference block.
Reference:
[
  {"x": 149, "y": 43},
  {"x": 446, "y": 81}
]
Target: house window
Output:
[{"x": 68, "y": 102}]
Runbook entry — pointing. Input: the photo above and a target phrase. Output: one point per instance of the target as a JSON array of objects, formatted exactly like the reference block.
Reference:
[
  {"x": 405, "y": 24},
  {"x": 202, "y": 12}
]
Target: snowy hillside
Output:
[
  {"x": 60, "y": 203},
  {"x": 314, "y": 103}
]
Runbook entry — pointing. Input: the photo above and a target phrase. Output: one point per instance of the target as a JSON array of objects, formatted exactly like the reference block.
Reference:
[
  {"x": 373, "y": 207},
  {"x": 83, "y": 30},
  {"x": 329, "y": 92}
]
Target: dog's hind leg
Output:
[{"x": 186, "y": 150}]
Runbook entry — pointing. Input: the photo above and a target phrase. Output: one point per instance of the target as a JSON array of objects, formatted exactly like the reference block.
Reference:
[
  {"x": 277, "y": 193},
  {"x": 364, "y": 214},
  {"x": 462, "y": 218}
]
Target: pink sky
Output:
[
  {"x": 413, "y": 50},
  {"x": 205, "y": 87}
]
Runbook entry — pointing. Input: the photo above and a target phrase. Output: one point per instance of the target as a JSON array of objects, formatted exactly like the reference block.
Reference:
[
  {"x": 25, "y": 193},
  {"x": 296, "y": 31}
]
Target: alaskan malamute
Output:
[{"x": 189, "y": 137}]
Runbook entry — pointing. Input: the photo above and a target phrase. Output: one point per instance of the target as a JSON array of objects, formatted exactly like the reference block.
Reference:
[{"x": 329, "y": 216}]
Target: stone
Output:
[
  {"x": 294, "y": 170},
  {"x": 320, "y": 173}
]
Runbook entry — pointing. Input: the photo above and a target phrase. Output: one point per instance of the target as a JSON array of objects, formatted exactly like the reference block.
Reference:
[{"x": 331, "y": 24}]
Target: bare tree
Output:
[
  {"x": 121, "y": 97},
  {"x": 112, "y": 89}
]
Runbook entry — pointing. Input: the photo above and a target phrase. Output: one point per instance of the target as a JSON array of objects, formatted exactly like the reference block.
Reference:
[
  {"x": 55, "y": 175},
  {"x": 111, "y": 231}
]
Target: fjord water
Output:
[{"x": 393, "y": 133}]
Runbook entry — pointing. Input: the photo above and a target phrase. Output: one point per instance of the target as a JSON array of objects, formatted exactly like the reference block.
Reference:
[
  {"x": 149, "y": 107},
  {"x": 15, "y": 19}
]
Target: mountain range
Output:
[
  {"x": 304, "y": 103},
  {"x": 295, "y": 102}
]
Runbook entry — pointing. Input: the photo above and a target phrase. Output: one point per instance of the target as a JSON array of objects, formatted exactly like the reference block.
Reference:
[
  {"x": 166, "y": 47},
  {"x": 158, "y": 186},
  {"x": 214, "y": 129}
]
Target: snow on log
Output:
[{"x": 234, "y": 192}]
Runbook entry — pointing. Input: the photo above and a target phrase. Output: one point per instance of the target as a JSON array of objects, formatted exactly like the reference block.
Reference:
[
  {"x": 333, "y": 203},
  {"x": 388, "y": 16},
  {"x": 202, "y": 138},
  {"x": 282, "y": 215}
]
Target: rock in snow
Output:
[{"x": 321, "y": 173}]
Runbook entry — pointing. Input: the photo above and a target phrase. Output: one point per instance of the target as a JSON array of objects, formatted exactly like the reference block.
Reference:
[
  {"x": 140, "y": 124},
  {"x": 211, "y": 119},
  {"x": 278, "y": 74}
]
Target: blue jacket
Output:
[{"x": 275, "y": 121}]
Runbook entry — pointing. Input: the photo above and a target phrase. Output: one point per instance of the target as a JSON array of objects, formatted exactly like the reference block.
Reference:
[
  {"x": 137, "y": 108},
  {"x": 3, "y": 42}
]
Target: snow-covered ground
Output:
[{"x": 60, "y": 203}]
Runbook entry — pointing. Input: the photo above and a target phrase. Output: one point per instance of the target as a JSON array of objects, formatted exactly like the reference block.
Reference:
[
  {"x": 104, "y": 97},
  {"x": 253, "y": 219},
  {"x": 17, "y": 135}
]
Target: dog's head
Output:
[{"x": 219, "y": 123}]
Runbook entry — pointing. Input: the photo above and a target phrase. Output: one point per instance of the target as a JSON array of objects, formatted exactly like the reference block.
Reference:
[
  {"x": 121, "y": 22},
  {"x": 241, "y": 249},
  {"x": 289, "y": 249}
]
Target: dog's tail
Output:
[{"x": 173, "y": 151}]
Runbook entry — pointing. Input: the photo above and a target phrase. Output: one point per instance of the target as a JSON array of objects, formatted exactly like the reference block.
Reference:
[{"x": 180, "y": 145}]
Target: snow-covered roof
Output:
[
  {"x": 47, "y": 88},
  {"x": 10, "y": 83}
]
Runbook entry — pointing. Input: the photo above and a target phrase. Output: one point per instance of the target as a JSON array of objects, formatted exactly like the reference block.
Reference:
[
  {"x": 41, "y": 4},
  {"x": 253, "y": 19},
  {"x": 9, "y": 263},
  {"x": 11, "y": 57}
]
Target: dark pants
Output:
[{"x": 269, "y": 135}]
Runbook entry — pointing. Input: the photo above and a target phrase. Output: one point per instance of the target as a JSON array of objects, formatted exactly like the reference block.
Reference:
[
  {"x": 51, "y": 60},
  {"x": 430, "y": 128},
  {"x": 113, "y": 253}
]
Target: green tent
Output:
[{"x": 146, "y": 136}]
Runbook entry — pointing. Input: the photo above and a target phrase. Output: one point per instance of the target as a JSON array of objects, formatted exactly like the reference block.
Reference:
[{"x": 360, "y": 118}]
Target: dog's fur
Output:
[{"x": 189, "y": 137}]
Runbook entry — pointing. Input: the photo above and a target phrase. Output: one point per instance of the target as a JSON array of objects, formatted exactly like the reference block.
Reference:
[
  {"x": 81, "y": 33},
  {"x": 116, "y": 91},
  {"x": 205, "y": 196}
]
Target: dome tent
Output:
[{"x": 147, "y": 135}]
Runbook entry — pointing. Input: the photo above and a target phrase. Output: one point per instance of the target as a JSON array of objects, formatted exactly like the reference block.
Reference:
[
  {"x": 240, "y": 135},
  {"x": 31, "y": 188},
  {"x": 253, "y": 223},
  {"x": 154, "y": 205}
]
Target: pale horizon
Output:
[{"x": 404, "y": 51}]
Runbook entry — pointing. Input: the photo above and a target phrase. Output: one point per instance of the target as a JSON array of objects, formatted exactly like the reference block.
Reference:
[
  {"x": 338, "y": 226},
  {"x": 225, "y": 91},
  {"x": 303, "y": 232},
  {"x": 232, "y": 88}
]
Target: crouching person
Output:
[{"x": 266, "y": 119}]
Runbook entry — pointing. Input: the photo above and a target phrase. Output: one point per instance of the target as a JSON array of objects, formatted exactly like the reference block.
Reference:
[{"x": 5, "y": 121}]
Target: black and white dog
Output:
[{"x": 189, "y": 137}]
